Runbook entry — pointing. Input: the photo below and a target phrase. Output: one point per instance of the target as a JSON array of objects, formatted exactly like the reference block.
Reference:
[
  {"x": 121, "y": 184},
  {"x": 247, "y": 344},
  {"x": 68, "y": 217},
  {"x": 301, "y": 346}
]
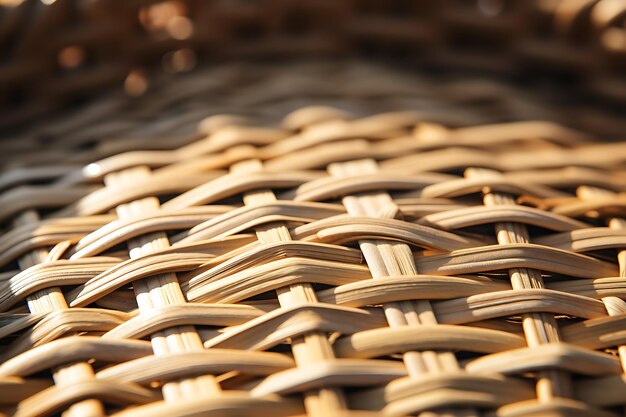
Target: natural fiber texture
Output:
[
  {"x": 325, "y": 260},
  {"x": 54, "y": 52}
]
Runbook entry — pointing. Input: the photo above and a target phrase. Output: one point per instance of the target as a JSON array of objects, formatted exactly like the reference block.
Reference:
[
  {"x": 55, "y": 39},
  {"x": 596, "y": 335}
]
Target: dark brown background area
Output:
[{"x": 54, "y": 54}]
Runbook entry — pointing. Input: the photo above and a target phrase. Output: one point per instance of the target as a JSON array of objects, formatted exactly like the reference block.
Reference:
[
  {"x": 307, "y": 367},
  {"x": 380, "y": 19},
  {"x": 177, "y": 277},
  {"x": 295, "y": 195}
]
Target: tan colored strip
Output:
[
  {"x": 515, "y": 255},
  {"x": 73, "y": 349},
  {"x": 145, "y": 370},
  {"x": 479, "y": 215},
  {"x": 387, "y": 340},
  {"x": 561, "y": 356},
  {"x": 407, "y": 288}
]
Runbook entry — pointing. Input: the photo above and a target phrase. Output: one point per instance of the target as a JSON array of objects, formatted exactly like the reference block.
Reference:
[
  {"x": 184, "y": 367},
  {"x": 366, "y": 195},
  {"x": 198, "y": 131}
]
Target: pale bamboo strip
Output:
[
  {"x": 385, "y": 259},
  {"x": 539, "y": 328},
  {"x": 49, "y": 300},
  {"x": 310, "y": 348},
  {"x": 161, "y": 290}
]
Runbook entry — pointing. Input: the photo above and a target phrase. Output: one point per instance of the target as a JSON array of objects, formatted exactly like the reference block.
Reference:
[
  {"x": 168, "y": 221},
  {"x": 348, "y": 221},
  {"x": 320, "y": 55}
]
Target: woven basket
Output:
[{"x": 327, "y": 237}]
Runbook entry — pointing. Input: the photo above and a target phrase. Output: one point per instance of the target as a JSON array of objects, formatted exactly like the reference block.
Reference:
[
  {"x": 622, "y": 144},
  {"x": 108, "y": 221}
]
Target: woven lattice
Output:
[
  {"x": 317, "y": 261},
  {"x": 320, "y": 237}
]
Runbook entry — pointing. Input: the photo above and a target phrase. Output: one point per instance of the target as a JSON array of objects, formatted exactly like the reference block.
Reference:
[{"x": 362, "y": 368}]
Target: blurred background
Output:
[{"x": 500, "y": 60}]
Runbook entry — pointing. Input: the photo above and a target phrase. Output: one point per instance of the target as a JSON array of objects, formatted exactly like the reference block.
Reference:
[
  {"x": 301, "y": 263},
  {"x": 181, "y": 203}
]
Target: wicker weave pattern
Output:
[
  {"x": 332, "y": 262},
  {"x": 53, "y": 54}
]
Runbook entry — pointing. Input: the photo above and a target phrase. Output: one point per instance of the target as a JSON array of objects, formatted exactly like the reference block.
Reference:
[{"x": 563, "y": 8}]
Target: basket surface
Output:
[
  {"x": 323, "y": 260},
  {"x": 313, "y": 237}
]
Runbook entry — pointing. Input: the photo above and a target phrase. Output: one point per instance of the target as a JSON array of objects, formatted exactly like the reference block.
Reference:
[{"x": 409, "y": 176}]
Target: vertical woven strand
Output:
[
  {"x": 49, "y": 300},
  {"x": 311, "y": 348},
  {"x": 614, "y": 305},
  {"x": 539, "y": 328},
  {"x": 161, "y": 290},
  {"x": 385, "y": 259}
]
